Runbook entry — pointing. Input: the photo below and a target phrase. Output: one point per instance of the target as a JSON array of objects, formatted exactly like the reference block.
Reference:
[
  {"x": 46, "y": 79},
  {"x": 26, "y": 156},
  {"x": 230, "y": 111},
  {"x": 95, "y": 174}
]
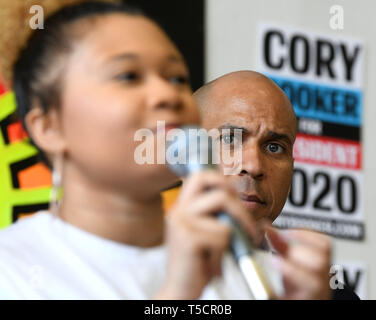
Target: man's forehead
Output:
[
  {"x": 251, "y": 112},
  {"x": 243, "y": 97},
  {"x": 251, "y": 106}
]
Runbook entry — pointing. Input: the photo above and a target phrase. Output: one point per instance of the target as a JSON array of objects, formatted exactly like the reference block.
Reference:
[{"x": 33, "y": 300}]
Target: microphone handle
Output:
[{"x": 244, "y": 254}]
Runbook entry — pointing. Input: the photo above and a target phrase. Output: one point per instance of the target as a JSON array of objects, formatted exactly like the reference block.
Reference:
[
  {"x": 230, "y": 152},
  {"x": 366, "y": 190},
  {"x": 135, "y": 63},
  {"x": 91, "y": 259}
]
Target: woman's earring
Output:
[{"x": 56, "y": 190}]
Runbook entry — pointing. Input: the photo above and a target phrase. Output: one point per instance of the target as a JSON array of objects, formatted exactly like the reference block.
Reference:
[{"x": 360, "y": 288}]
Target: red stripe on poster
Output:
[{"x": 326, "y": 151}]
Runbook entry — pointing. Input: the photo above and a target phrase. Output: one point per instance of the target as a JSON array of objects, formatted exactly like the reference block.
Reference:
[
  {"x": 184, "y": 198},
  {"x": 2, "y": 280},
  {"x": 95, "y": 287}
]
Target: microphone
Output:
[{"x": 192, "y": 151}]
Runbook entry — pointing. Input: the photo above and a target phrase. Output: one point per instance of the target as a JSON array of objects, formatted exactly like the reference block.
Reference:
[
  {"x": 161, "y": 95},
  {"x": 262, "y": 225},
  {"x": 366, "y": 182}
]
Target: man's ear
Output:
[{"x": 46, "y": 131}]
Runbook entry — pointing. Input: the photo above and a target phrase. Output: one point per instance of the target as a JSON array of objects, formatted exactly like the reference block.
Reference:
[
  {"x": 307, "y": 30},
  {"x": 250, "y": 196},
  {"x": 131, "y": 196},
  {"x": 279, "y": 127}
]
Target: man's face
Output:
[{"x": 268, "y": 126}]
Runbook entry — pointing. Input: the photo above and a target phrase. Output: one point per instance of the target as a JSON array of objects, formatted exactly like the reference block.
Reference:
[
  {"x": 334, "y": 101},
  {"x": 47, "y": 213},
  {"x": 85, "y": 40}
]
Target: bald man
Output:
[
  {"x": 252, "y": 103},
  {"x": 255, "y": 105}
]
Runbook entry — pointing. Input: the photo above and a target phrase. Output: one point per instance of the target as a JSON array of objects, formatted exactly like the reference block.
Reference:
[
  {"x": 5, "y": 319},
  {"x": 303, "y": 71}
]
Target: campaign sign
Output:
[
  {"x": 316, "y": 58},
  {"x": 325, "y": 199},
  {"x": 323, "y": 102},
  {"x": 322, "y": 77}
]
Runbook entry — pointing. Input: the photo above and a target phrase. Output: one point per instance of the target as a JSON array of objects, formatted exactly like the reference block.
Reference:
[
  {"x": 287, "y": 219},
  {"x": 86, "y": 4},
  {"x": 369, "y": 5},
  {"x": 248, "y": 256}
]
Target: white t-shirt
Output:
[{"x": 43, "y": 257}]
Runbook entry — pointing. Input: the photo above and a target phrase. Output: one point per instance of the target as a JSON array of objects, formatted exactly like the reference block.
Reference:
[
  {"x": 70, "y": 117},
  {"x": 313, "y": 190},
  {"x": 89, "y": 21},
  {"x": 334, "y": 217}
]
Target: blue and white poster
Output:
[{"x": 323, "y": 77}]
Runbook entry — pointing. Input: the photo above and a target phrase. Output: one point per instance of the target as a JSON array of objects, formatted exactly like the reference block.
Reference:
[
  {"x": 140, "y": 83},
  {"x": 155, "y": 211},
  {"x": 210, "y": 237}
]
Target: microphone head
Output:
[{"x": 189, "y": 149}]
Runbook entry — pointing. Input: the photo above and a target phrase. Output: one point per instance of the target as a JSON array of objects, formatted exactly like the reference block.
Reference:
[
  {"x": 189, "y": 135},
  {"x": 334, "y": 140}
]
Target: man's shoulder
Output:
[{"x": 344, "y": 293}]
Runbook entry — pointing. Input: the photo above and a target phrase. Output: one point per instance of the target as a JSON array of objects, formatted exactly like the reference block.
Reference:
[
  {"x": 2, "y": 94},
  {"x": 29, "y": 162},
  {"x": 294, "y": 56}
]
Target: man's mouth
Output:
[{"x": 252, "y": 201}]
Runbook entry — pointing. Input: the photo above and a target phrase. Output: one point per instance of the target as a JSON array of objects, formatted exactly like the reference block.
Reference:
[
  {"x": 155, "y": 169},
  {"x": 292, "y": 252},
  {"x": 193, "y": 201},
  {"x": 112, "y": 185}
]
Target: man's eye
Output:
[
  {"x": 274, "y": 148},
  {"x": 228, "y": 139}
]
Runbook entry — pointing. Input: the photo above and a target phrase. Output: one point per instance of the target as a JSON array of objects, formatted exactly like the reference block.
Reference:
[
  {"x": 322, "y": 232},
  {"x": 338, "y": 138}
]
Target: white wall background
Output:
[{"x": 231, "y": 27}]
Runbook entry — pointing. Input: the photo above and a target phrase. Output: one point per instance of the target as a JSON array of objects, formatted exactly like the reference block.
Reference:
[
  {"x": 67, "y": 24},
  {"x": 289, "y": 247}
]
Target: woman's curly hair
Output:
[{"x": 15, "y": 29}]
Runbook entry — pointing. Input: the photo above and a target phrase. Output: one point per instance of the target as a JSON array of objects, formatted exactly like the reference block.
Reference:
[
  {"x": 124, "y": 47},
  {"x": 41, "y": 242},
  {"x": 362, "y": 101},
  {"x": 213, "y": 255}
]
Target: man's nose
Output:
[
  {"x": 252, "y": 162},
  {"x": 164, "y": 94}
]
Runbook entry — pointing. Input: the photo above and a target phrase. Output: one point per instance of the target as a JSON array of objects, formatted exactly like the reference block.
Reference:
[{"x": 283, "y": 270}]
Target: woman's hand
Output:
[
  {"x": 304, "y": 261},
  {"x": 195, "y": 238}
]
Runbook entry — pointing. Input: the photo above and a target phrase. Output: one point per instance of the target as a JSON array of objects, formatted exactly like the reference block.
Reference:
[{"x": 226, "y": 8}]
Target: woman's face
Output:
[{"x": 124, "y": 75}]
